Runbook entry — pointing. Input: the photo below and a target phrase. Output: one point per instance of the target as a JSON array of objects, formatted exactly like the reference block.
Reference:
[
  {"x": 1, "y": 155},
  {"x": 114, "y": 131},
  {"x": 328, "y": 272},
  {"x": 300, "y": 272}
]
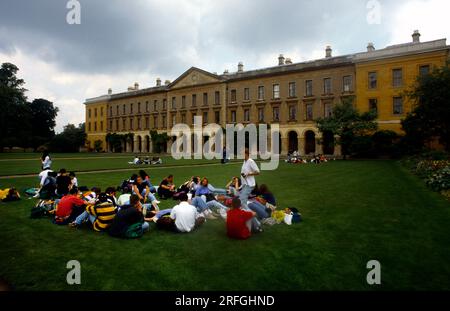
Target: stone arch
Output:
[
  {"x": 328, "y": 140},
  {"x": 292, "y": 141},
  {"x": 310, "y": 142}
]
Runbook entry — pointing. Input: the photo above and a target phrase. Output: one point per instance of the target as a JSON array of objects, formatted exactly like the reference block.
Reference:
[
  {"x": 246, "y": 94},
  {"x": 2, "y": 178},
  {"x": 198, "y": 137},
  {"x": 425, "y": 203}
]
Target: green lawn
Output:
[
  {"x": 28, "y": 163},
  {"x": 354, "y": 211}
]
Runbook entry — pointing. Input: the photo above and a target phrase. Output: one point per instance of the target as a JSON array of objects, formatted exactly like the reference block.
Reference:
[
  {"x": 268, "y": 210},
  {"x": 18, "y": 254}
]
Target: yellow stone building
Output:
[
  {"x": 96, "y": 122},
  {"x": 290, "y": 94},
  {"x": 383, "y": 76}
]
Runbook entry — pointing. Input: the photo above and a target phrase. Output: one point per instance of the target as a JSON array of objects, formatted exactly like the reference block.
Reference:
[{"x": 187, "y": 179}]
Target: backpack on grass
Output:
[
  {"x": 134, "y": 231},
  {"x": 42, "y": 209}
]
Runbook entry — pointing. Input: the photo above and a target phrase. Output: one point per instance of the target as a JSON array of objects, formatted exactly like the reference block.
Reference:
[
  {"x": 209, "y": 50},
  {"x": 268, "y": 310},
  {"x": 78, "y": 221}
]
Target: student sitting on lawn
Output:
[
  {"x": 100, "y": 215},
  {"x": 234, "y": 186},
  {"x": 129, "y": 215},
  {"x": 69, "y": 208},
  {"x": 266, "y": 196},
  {"x": 91, "y": 196},
  {"x": 63, "y": 183},
  {"x": 239, "y": 221},
  {"x": 111, "y": 195},
  {"x": 142, "y": 190},
  {"x": 48, "y": 187},
  {"x": 124, "y": 198},
  {"x": 185, "y": 215},
  {"x": 146, "y": 178},
  {"x": 166, "y": 188},
  {"x": 73, "y": 179}
]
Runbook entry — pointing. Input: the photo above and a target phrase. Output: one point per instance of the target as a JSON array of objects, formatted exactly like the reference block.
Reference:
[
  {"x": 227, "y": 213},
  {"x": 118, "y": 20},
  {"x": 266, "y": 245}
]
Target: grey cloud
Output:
[{"x": 117, "y": 36}]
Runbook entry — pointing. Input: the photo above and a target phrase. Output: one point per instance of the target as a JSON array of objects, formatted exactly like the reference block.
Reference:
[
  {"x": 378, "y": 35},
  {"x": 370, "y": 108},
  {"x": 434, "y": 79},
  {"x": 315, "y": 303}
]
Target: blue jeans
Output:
[
  {"x": 217, "y": 190},
  {"x": 259, "y": 209},
  {"x": 201, "y": 205},
  {"x": 145, "y": 226},
  {"x": 84, "y": 217},
  {"x": 244, "y": 194},
  {"x": 150, "y": 196}
]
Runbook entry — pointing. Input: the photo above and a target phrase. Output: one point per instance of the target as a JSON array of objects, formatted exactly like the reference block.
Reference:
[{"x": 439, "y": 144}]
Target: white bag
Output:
[{"x": 288, "y": 219}]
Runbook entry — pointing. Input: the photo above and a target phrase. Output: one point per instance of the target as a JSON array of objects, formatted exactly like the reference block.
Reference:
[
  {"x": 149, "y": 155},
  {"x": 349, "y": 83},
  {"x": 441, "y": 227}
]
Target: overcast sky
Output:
[{"x": 121, "y": 42}]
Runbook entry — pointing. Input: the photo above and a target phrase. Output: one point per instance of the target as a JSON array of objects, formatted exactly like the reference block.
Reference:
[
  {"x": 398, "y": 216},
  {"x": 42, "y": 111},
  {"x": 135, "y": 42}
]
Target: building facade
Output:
[{"x": 292, "y": 95}]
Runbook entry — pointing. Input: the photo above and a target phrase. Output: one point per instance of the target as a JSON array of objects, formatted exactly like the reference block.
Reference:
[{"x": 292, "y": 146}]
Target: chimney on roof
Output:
[
  {"x": 158, "y": 82},
  {"x": 370, "y": 47},
  {"x": 281, "y": 60},
  {"x": 328, "y": 52},
  {"x": 240, "y": 67},
  {"x": 288, "y": 61},
  {"x": 110, "y": 91},
  {"x": 136, "y": 86},
  {"x": 167, "y": 82},
  {"x": 225, "y": 72},
  {"x": 416, "y": 36}
]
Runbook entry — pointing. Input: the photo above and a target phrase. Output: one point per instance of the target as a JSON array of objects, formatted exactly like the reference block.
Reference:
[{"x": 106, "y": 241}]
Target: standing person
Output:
[
  {"x": 63, "y": 183},
  {"x": 248, "y": 172},
  {"x": 239, "y": 221},
  {"x": 46, "y": 161}
]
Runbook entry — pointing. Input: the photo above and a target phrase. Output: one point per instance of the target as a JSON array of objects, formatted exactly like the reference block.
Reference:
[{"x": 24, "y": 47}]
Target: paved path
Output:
[{"x": 126, "y": 169}]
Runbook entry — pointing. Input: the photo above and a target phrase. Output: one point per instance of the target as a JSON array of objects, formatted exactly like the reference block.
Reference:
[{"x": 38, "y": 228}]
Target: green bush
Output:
[{"x": 440, "y": 180}]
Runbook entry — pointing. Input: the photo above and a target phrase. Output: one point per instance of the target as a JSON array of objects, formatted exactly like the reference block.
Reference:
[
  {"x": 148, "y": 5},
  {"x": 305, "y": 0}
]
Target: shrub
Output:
[{"x": 440, "y": 180}]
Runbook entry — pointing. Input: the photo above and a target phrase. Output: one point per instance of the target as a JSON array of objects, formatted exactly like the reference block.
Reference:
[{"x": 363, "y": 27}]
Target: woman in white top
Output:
[{"x": 46, "y": 161}]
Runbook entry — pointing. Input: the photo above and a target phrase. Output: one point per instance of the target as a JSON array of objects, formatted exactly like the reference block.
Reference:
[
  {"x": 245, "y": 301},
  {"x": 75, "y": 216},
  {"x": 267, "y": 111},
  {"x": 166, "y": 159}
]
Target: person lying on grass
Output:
[
  {"x": 239, "y": 221},
  {"x": 142, "y": 190},
  {"x": 100, "y": 215},
  {"x": 185, "y": 215},
  {"x": 69, "y": 208},
  {"x": 129, "y": 215}
]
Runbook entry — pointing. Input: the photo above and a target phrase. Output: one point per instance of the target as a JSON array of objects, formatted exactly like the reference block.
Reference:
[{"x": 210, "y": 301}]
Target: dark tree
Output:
[
  {"x": 430, "y": 117},
  {"x": 348, "y": 124},
  {"x": 70, "y": 140},
  {"x": 43, "y": 115},
  {"x": 14, "y": 116}
]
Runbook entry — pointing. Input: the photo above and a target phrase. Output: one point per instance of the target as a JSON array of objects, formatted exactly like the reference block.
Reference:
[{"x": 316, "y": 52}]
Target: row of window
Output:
[
  {"x": 276, "y": 94},
  {"x": 164, "y": 104},
  {"x": 397, "y": 105},
  {"x": 397, "y": 109},
  {"x": 397, "y": 77},
  {"x": 95, "y": 112},
  {"x": 347, "y": 86}
]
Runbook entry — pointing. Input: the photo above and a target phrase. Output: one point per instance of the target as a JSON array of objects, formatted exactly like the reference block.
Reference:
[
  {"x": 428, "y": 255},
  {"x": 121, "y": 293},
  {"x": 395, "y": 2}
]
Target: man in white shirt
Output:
[
  {"x": 43, "y": 175},
  {"x": 248, "y": 172},
  {"x": 185, "y": 215}
]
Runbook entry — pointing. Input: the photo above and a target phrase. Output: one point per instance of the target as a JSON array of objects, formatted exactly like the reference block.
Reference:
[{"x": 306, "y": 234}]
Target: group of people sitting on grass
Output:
[
  {"x": 146, "y": 161},
  {"x": 243, "y": 204},
  {"x": 55, "y": 184},
  {"x": 296, "y": 158}
]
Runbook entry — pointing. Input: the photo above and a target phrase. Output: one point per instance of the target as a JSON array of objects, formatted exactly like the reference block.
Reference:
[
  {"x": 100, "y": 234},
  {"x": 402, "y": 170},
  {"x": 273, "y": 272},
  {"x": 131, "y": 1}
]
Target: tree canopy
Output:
[
  {"x": 430, "y": 117},
  {"x": 348, "y": 124}
]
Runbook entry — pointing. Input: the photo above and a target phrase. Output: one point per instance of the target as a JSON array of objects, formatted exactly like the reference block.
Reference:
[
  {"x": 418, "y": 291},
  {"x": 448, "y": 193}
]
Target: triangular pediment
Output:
[{"x": 193, "y": 77}]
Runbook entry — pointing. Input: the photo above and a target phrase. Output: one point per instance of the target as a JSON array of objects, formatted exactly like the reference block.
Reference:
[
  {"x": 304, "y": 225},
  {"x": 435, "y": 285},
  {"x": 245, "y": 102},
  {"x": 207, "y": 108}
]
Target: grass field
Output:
[
  {"x": 23, "y": 164},
  {"x": 354, "y": 211}
]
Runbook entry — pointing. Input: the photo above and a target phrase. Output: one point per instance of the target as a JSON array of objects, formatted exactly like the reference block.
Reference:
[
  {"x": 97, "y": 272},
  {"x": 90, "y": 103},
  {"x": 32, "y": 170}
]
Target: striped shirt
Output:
[{"x": 104, "y": 214}]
